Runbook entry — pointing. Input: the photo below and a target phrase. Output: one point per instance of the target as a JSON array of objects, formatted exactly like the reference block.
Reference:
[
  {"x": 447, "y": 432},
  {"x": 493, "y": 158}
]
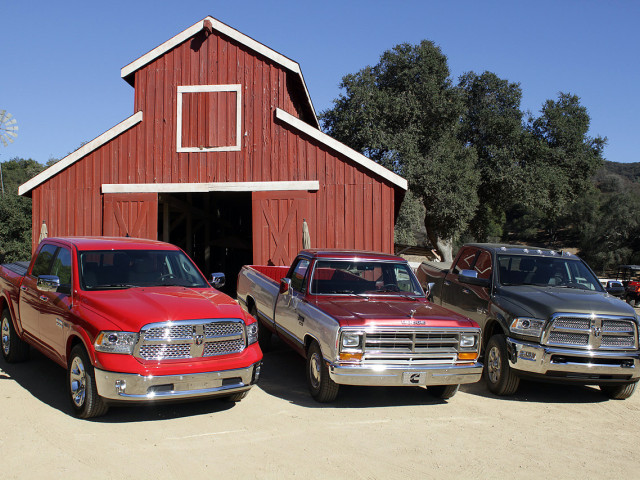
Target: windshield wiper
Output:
[{"x": 114, "y": 285}]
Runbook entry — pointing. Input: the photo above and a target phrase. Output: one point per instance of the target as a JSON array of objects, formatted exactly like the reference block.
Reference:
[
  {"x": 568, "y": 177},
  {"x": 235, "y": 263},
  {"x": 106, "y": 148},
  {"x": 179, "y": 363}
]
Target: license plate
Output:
[{"x": 410, "y": 378}]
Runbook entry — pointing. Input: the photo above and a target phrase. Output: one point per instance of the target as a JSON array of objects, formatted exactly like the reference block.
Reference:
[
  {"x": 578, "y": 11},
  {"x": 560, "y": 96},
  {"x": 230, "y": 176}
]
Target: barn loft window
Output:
[{"x": 209, "y": 118}]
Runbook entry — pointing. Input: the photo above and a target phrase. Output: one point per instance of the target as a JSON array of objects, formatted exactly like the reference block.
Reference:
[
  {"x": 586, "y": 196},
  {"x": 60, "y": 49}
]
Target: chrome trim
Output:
[
  {"x": 136, "y": 388},
  {"x": 189, "y": 339},
  {"x": 590, "y": 331},
  {"x": 392, "y": 375},
  {"x": 537, "y": 359}
]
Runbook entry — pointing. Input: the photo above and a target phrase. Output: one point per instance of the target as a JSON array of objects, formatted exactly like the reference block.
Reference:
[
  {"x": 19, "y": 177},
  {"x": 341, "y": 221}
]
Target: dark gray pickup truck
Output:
[{"x": 543, "y": 314}]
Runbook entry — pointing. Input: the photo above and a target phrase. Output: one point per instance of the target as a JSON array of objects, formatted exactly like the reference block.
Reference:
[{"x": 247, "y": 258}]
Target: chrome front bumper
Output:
[
  {"x": 137, "y": 388},
  {"x": 537, "y": 359},
  {"x": 399, "y": 375}
]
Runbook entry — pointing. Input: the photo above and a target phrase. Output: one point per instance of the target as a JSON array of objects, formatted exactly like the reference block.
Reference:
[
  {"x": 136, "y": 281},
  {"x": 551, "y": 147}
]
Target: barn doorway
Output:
[{"x": 214, "y": 228}]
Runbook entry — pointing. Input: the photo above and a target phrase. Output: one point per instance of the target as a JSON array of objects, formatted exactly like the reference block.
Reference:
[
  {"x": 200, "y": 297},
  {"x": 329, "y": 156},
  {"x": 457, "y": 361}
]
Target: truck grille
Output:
[
  {"x": 190, "y": 339},
  {"x": 591, "y": 332},
  {"x": 410, "y": 346}
]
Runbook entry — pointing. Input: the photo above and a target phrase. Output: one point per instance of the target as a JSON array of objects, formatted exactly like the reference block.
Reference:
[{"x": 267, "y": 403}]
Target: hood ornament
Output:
[{"x": 412, "y": 313}]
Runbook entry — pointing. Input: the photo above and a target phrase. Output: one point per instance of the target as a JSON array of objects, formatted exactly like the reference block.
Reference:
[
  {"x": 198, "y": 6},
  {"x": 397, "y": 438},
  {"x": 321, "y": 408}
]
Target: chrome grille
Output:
[
  {"x": 402, "y": 346},
  {"x": 591, "y": 332},
  {"x": 190, "y": 339}
]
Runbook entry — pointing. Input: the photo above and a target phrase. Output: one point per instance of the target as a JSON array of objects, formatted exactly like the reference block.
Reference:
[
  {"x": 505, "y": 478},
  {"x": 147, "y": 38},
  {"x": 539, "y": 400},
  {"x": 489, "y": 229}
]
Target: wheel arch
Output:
[{"x": 491, "y": 328}]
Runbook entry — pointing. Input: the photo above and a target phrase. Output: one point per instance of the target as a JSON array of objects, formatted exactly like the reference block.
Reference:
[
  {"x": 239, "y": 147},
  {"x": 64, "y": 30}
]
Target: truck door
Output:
[
  {"x": 455, "y": 294},
  {"x": 30, "y": 302},
  {"x": 288, "y": 320}
]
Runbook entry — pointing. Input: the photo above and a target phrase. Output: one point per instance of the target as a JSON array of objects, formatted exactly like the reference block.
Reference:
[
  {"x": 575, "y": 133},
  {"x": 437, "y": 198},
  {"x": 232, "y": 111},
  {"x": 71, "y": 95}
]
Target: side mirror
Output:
[
  {"x": 48, "y": 283},
  {"x": 218, "y": 280},
  {"x": 285, "y": 286},
  {"x": 471, "y": 277}
]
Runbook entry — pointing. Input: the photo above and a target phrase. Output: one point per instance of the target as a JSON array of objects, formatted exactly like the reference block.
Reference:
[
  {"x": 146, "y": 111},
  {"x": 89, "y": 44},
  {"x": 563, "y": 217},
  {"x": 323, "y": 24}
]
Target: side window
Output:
[
  {"x": 483, "y": 265},
  {"x": 62, "y": 268},
  {"x": 42, "y": 265},
  {"x": 299, "y": 274},
  {"x": 465, "y": 260}
]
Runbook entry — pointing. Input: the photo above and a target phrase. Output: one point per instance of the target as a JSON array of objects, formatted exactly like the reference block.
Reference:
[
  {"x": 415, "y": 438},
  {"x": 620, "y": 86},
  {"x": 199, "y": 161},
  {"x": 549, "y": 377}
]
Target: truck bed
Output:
[{"x": 19, "y": 268}]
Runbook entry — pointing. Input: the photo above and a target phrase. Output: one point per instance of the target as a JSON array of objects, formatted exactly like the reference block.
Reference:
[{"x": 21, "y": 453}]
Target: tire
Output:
[
  {"x": 264, "y": 334},
  {"x": 500, "y": 378},
  {"x": 14, "y": 349},
  {"x": 236, "y": 397},
  {"x": 443, "y": 391},
  {"x": 619, "y": 392},
  {"x": 81, "y": 382},
  {"x": 631, "y": 301},
  {"x": 321, "y": 387}
]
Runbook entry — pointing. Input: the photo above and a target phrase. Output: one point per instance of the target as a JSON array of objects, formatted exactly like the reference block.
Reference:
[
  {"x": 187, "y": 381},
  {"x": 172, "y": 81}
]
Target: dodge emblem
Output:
[{"x": 597, "y": 331}]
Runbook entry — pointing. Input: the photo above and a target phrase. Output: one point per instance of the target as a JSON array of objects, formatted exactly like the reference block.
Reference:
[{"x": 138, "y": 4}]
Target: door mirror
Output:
[
  {"x": 471, "y": 277},
  {"x": 48, "y": 283},
  {"x": 218, "y": 280},
  {"x": 285, "y": 286}
]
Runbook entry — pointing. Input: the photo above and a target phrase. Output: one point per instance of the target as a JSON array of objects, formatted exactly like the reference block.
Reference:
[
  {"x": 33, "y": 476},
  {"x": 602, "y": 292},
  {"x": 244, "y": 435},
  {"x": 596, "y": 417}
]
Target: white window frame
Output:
[{"x": 207, "y": 89}]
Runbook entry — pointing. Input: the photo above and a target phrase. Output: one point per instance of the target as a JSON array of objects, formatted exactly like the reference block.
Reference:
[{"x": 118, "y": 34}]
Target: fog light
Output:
[
  {"x": 121, "y": 385},
  {"x": 524, "y": 355}
]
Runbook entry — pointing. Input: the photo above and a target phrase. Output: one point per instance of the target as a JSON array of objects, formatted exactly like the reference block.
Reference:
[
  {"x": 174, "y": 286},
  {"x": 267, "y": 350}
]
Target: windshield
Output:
[
  {"x": 546, "y": 271},
  {"x": 109, "y": 269},
  {"x": 354, "y": 277}
]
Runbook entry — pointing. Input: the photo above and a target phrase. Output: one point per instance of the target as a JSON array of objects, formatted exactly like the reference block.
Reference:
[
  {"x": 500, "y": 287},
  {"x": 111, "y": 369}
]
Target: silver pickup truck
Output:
[{"x": 361, "y": 319}]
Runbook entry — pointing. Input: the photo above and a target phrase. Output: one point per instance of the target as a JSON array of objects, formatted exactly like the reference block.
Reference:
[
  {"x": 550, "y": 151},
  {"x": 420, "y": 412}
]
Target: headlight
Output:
[
  {"x": 351, "y": 340},
  {"x": 527, "y": 326},
  {"x": 468, "y": 341},
  {"x": 116, "y": 342},
  {"x": 252, "y": 333}
]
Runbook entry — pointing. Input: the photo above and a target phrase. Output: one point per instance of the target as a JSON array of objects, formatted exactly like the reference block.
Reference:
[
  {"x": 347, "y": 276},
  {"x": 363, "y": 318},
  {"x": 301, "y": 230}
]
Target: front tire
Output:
[
  {"x": 321, "y": 387},
  {"x": 236, "y": 397},
  {"x": 14, "y": 350},
  {"x": 443, "y": 391},
  {"x": 500, "y": 378},
  {"x": 85, "y": 401},
  {"x": 619, "y": 392}
]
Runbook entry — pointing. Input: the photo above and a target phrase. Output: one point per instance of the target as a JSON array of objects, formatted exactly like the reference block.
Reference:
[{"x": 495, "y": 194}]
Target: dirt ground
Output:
[{"x": 278, "y": 431}]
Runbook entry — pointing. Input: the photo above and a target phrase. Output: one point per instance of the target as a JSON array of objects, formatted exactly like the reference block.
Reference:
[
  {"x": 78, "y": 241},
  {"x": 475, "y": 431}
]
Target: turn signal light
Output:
[
  {"x": 467, "y": 356},
  {"x": 346, "y": 357}
]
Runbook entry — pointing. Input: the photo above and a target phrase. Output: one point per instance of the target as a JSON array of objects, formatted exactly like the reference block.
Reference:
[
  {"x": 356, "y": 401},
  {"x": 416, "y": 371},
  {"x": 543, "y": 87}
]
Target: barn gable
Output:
[{"x": 224, "y": 158}]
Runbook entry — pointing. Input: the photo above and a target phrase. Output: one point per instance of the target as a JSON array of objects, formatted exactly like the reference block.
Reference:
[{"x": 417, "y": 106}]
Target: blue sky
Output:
[{"x": 60, "y": 62}]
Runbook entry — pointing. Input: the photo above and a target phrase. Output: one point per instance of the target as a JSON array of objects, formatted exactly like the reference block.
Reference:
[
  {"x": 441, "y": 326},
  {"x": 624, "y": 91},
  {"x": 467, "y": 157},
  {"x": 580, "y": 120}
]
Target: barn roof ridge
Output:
[
  {"x": 341, "y": 148},
  {"x": 230, "y": 32}
]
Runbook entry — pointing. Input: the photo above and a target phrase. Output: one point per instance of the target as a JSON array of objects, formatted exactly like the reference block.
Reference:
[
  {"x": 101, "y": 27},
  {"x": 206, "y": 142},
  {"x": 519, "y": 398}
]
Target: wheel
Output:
[
  {"x": 264, "y": 334},
  {"x": 13, "y": 348},
  {"x": 500, "y": 378},
  {"x": 236, "y": 397},
  {"x": 85, "y": 401},
  {"x": 619, "y": 392},
  {"x": 631, "y": 301},
  {"x": 322, "y": 388},
  {"x": 443, "y": 391}
]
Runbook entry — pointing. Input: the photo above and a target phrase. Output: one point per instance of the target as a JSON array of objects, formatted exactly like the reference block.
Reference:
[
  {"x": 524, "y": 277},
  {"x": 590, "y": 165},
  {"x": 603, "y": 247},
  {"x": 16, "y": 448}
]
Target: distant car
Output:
[
  {"x": 615, "y": 288},
  {"x": 629, "y": 275}
]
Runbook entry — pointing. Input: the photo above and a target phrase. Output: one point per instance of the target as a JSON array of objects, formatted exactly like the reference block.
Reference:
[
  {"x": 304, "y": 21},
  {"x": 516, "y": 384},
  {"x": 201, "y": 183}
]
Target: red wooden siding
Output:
[
  {"x": 353, "y": 208},
  {"x": 131, "y": 214}
]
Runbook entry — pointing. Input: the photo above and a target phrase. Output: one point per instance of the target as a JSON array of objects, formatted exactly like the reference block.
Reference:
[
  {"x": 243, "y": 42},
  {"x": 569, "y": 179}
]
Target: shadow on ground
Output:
[{"x": 46, "y": 381}]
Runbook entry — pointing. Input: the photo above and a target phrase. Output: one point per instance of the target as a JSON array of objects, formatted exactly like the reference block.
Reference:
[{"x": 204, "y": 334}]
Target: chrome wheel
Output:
[
  {"x": 315, "y": 374},
  {"x": 493, "y": 364},
  {"x": 77, "y": 382},
  {"x": 6, "y": 336}
]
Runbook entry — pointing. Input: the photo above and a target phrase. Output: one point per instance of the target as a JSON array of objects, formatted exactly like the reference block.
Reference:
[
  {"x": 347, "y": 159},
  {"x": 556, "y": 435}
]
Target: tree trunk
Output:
[{"x": 444, "y": 246}]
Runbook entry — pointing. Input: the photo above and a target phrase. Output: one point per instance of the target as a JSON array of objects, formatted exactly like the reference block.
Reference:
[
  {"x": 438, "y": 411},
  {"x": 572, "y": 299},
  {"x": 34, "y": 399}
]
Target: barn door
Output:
[
  {"x": 130, "y": 214},
  {"x": 277, "y": 226}
]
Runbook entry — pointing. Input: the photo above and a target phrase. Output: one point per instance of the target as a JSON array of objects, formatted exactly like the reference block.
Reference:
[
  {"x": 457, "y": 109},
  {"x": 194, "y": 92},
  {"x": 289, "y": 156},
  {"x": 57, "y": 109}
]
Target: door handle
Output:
[
  {"x": 466, "y": 290},
  {"x": 43, "y": 298},
  {"x": 447, "y": 283},
  {"x": 23, "y": 288}
]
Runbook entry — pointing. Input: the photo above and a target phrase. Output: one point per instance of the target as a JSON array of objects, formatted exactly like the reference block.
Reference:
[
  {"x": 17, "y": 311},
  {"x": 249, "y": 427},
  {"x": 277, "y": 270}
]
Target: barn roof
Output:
[{"x": 128, "y": 71}]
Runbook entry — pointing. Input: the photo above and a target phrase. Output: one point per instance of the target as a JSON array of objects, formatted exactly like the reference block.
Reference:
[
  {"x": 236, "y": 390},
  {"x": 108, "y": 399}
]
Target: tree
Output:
[
  {"x": 15, "y": 211},
  {"x": 404, "y": 114}
]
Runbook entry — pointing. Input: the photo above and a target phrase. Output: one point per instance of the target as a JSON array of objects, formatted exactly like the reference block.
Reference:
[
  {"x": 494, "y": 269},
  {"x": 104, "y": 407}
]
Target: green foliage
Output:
[
  {"x": 410, "y": 219},
  {"x": 15, "y": 211}
]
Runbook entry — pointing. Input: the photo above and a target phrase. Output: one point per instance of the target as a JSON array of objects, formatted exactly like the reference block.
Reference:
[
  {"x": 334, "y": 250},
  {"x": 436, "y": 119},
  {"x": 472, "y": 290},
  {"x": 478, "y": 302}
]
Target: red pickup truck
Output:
[
  {"x": 361, "y": 318},
  {"x": 131, "y": 320}
]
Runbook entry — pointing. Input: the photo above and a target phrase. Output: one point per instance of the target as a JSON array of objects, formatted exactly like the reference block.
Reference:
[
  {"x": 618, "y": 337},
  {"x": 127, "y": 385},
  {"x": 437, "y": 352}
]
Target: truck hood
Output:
[
  {"x": 390, "y": 311},
  {"x": 133, "y": 308},
  {"x": 542, "y": 302}
]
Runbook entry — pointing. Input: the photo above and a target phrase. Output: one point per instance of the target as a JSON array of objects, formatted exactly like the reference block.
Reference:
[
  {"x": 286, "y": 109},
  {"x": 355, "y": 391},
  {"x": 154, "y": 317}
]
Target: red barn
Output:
[{"x": 223, "y": 157}]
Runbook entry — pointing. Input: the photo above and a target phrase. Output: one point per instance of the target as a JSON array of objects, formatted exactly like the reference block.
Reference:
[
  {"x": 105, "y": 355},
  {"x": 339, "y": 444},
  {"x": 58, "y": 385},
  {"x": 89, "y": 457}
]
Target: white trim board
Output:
[
  {"x": 341, "y": 148},
  {"x": 205, "y": 89},
  {"x": 311, "y": 185},
  {"x": 229, "y": 32},
  {"x": 86, "y": 149}
]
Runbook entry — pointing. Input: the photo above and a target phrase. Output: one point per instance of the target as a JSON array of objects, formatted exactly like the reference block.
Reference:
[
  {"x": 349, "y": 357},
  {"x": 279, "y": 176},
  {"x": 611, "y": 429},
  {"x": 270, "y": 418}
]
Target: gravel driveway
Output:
[{"x": 278, "y": 431}]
